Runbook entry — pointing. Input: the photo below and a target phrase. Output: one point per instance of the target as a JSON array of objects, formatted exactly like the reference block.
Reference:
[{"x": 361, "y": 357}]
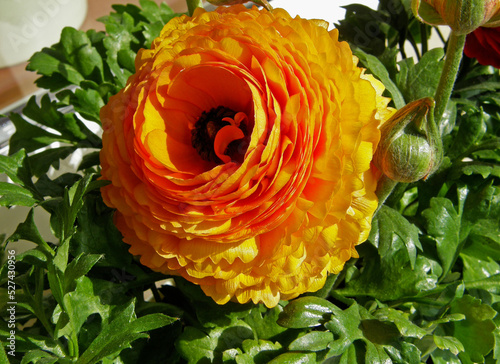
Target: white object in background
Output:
[
  {"x": 329, "y": 10},
  {"x": 26, "y": 26}
]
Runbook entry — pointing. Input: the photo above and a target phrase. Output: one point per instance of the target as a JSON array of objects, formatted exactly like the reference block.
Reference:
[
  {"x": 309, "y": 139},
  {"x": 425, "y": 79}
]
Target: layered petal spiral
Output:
[{"x": 239, "y": 154}]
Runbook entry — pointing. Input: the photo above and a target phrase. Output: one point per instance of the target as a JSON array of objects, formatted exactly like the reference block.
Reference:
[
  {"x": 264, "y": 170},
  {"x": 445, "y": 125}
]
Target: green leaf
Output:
[
  {"x": 444, "y": 357},
  {"x": 476, "y": 331},
  {"x": 294, "y": 358},
  {"x": 354, "y": 30},
  {"x": 29, "y": 341},
  {"x": 17, "y": 168},
  {"x": 405, "y": 326},
  {"x": 394, "y": 233},
  {"x": 121, "y": 332},
  {"x": 3, "y": 355},
  {"x": 79, "y": 267},
  {"x": 208, "y": 312},
  {"x": 79, "y": 52},
  {"x": 375, "y": 66},
  {"x": 75, "y": 314},
  {"x": 416, "y": 81},
  {"x": 88, "y": 102},
  {"x": 264, "y": 321},
  {"x": 448, "y": 343},
  {"x": 47, "y": 112},
  {"x": 41, "y": 162},
  {"x": 347, "y": 328},
  {"x": 259, "y": 351},
  {"x": 48, "y": 63},
  {"x": 481, "y": 254},
  {"x": 313, "y": 341},
  {"x": 472, "y": 126},
  {"x": 96, "y": 234},
  {"x": 444, "y": 224},
  {"x": 27, "y": 230},
  {"x": 12, "y": 195},
  {"x": 30, "y": 137},
  {"x": 67, "y": 209},
  {"x": 39, "y": 356},
  {"x": 198, "y": 346},
  {"x": 305, "y": 312}
]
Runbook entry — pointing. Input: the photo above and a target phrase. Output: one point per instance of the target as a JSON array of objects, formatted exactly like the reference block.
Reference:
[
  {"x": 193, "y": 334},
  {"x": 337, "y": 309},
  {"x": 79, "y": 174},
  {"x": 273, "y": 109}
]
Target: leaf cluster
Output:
[{"x": 426, "y": 285}]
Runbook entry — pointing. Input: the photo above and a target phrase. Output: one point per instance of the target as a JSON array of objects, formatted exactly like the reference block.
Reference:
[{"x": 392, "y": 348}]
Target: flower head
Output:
[
  {"x": 239, "y": 153},
  {"x": 462, "y": 16}
]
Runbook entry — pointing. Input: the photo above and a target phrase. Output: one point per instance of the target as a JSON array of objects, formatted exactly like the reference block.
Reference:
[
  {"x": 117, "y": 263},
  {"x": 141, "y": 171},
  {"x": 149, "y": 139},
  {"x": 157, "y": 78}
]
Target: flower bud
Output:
[
  {"x": 462, "y": 16},
  {"x": 410, "y": 147}
]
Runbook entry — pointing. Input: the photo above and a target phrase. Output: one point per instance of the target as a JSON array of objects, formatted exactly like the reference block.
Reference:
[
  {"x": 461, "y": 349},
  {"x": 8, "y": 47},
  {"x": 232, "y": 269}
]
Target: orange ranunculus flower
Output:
[{"x": 239, "y": 153}]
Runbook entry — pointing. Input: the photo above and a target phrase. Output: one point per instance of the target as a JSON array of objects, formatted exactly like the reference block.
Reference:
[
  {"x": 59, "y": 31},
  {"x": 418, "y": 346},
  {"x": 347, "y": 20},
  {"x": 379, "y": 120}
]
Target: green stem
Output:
[
  {"x": 384, "y": 188},
  {"x": 192, "y": 5},
  {"x": 452, "y": 60}
]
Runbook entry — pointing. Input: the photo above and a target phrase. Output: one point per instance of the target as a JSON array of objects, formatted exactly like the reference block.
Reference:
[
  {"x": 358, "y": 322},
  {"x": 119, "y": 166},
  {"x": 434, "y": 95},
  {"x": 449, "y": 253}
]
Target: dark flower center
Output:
[{"x": 203, "y": 136}]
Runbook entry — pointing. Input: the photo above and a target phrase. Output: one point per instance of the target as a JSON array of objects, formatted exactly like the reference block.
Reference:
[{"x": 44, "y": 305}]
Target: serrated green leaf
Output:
[
  {"x": 30, "y": 137},
  {"x": 294, "y": 358},
  {"x": 490, "y": 284},
  {"x": 96, "y": 234},
  {"x": 313, "y": 341},
  {"x": 88, "y": 102},
  {"x": 469, "y": 168},
  {"x": 259, "y": 351},
  {"x": 346, "y": 326},
  {"x": 27, "y": 230},
  {"x": 41, "y": 162},
  {"x": 27, "y": 342},
  {"x": 403, "y": 353},
  {"x": 308, "y": 311},
  {"x": 81, "y": 54},
  {"x": 47, "y": 64},
  {"x": 394, "y": 232},
  {"x": 482, "y": 251},
  {"x": 12, "y": 195},
  {"x": 394, "y": 278},
  {"x": 79, "y": 267},
  {"x": 375, "y": 66},
  {"x": 77, "y": 313},
  {"x": 444, "y": 357},
  {"x": 483, "y": 86},
  {"x": 198, "y": 346},
  {"x": 402, "y": 322},
  {"x": 121, "y": 332},
  {"x": 472, "y": 127},
  {"x": 263, "y": 321},
  {"x": 47, "y": 112},
  {"x": 17, "y": 168},
  {"x": 376, "y": 354},
  {"x": 476, "y": 331},
  {"x": 448, "y": 343},
  {"x": 444, "y": 225},
  {"x": 416, "y": 81},
  {"x": 39, "y": 357}
]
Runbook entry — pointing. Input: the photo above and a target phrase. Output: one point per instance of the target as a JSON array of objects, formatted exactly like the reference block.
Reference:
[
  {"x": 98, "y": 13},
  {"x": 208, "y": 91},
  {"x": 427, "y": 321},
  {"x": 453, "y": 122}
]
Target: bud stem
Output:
[
  {"x": 452, "y": 60},
  {"x": 192, "y": 5},
  {"x": 385, "y": 186}
]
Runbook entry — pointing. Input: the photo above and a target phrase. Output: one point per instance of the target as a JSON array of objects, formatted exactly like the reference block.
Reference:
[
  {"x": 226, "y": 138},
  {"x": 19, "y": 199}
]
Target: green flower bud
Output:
[
  {"x": 410, "y": 147},
  {"x": 462, "y": 16}
]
